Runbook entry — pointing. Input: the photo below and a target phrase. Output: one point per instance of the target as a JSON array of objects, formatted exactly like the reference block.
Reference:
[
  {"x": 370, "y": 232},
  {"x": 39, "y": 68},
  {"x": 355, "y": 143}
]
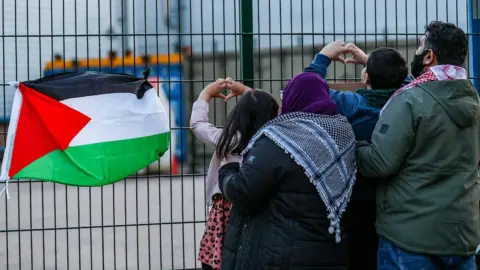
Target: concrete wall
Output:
[{"x": 281, "y": 23}]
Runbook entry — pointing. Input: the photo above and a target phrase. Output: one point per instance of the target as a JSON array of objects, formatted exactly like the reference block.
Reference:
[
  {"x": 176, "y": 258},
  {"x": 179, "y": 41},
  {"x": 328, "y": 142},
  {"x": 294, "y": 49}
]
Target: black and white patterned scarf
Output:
[{"x": 324, "y": 146}]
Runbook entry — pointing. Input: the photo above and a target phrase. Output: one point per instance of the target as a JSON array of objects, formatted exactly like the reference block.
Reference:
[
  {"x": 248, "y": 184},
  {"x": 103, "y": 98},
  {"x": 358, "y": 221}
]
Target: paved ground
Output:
[{"x": 47, "y": 226}]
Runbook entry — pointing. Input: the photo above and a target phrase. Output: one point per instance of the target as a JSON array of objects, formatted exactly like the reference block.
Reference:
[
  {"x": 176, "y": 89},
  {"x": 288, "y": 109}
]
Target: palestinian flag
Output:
[{"x": 84, "y": 129}]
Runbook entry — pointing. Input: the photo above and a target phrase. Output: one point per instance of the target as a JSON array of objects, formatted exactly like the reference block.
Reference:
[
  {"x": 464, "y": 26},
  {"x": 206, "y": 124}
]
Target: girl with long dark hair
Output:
[
  {"x": 253, "y": 110},
  {"x": 293, "y": 185}
]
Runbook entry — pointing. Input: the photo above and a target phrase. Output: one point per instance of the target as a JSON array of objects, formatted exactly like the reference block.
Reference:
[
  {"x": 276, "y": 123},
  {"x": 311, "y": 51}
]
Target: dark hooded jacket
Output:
[
  {"x": 278, "y": 218},
  {"x": 426, "y": 147}
]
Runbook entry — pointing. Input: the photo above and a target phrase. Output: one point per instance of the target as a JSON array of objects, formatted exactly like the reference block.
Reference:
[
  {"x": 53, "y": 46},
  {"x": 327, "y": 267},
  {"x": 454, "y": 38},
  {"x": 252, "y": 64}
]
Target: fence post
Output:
[
  {"x": 474, "y": 41},
  {"x": 246, "y": 46}
]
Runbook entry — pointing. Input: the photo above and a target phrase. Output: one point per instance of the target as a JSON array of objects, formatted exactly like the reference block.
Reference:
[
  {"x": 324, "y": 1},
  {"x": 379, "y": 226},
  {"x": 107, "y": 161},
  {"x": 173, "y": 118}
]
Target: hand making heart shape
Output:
[
  {"x": 214, "y": 89},
  {"x": 333, "y": 50},
  {"x": 336, "y": 49},
  {"x": 236, "y": 88}
]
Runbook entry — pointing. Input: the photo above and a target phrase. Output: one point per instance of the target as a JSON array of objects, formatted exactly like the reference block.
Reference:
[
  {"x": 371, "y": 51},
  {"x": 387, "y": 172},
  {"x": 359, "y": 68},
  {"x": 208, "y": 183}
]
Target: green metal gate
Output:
[{"x": 155, "y": 219}]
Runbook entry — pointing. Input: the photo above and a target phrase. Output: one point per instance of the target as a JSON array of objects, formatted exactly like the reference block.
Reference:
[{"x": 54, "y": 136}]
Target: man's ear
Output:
[
  {"x": 430, "y": 58},
  {"x": 366, "y": 79}
]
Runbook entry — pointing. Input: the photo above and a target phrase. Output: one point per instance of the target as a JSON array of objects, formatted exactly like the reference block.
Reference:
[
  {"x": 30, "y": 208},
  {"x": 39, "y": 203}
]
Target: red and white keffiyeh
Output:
[{"x": 435, "y": 73}]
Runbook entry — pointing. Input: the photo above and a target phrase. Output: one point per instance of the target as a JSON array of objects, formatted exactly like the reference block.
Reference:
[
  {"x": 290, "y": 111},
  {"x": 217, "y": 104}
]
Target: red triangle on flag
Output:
[{"x": 44, "y": 125}]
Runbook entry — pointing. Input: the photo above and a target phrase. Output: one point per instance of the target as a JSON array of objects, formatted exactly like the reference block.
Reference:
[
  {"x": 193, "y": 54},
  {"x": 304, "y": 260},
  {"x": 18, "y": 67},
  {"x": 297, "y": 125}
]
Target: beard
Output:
[{"x": 417, "y": 66}]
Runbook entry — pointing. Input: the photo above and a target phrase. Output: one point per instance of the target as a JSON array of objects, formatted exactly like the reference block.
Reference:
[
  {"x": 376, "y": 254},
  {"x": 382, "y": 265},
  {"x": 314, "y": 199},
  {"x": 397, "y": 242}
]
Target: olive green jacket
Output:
[{"x": 425, "y": 152}]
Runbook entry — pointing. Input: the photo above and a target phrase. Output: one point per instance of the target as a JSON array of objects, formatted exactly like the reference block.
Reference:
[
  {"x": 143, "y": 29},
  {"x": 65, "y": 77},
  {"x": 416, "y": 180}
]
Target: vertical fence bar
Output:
[
  {"x": 114, "y": 184},
  {"x": 182, "y": 123},
  {"x": 159, "y": 166},
  {"x": 246, "y": 41},
  {"x": 190, "y": 72},
  {"x": 149, "y": 261},
  {"x": 30, "y": 181},
  {"x": 18, "y": 183},
  {"x": 7, "y": 255},
  {"x": 125, "y": 42},
  {"x": 474, "y": 42}
]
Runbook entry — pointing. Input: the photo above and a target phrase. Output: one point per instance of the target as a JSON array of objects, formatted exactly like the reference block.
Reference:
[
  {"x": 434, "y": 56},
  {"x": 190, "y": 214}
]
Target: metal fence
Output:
[{"x": 154, "y": 220}]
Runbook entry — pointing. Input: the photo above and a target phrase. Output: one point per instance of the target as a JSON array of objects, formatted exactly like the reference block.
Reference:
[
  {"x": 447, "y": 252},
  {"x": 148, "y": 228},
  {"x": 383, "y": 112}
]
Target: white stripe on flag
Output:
[
  {"x": 12, "y": 127},
  {"x": 119, "y": 116}
]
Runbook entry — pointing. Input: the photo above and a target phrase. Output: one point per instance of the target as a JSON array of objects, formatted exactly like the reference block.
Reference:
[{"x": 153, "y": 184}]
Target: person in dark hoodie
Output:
[
  {"x": 385, "y": 72},
  {"x": 424, "y": 153}
]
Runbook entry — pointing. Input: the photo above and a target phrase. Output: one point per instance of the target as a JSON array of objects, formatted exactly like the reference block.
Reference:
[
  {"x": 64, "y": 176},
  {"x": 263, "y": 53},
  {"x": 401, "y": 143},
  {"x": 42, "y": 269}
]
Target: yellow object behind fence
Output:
[{"x": 161, "y": 59}]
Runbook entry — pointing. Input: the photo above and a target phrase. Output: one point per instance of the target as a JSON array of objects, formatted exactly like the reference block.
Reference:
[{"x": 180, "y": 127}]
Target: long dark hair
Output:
[{"x": 254, "y": 109}]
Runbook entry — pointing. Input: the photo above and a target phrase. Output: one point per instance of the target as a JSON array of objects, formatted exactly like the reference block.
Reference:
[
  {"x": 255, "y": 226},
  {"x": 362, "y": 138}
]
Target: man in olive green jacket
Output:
[{"x": 425, "y": 152}]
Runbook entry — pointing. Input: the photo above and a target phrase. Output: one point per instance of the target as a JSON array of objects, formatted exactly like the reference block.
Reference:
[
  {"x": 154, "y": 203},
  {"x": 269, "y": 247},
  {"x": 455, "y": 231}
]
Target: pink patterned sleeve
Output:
[{"x": 200, "y": 125}]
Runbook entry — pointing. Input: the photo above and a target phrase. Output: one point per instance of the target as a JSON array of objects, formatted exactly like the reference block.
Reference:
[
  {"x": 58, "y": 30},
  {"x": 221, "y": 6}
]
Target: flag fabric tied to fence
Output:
[{"x": 83, "y": 129}]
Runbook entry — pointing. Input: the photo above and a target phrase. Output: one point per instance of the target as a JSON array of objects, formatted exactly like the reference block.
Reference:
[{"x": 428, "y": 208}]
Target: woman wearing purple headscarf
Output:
[{"x": 292, "y": 187}]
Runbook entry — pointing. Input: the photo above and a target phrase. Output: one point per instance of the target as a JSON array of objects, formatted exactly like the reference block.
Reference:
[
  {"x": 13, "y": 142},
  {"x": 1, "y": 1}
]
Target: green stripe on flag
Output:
[{"x": 97, "y": 164}]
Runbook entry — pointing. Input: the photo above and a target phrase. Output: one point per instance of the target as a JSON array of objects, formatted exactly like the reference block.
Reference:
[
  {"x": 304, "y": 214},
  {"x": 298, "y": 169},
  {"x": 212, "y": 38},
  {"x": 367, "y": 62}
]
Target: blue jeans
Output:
[{"x": 391, "y": 257}]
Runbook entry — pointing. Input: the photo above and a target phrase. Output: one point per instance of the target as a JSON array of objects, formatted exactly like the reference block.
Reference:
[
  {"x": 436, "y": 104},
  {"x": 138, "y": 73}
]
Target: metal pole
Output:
[
  {"x": 246, "y": 47},
  {"x": 473, "y": 42},
  {"x": 125, "y": 26}
]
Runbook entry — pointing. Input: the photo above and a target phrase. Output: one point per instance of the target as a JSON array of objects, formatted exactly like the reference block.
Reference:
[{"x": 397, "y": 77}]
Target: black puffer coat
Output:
[{"x": 278, "y": 220}]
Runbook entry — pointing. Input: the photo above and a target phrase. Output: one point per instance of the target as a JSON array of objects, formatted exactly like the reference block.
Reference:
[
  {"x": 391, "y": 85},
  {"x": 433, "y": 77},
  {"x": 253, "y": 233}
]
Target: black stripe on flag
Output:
[{"x": 72, "y": 85}]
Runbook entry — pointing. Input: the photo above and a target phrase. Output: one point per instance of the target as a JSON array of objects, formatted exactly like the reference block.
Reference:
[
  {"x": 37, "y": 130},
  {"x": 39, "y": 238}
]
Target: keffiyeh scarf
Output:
[
  {"x": 435, "y": 73},
  {"x": 324, "y": 146}
]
